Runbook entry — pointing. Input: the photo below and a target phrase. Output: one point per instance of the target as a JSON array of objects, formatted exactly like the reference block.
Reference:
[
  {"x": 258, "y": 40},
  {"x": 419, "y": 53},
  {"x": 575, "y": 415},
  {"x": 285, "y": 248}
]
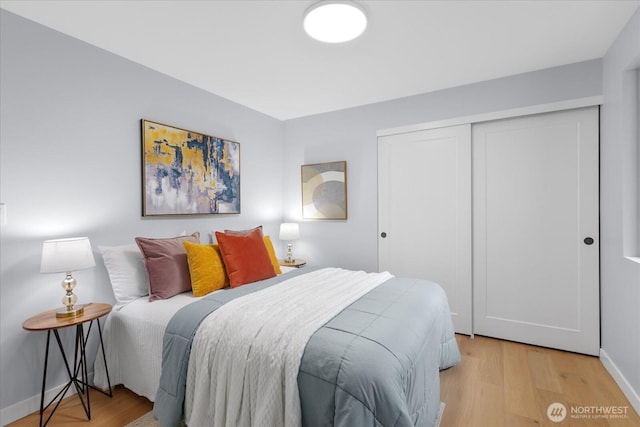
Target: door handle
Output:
[
  {"x": 588, "y": 240},
  {"x": 383, "y": 234}
]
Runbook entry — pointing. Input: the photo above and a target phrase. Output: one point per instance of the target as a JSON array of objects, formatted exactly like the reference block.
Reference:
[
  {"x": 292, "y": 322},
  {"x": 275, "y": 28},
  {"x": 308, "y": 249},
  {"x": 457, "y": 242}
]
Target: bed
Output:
[{"x": 375, "y": 362}]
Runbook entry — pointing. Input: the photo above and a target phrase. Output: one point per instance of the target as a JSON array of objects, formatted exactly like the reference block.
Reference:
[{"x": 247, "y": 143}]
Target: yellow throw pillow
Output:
[
  {"x": 206, "y": 268},
  {"x": 272, "y": 254}
]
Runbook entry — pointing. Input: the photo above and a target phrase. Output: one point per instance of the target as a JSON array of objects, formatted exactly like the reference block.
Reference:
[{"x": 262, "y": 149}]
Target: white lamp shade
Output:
[
  {"x": 335, "y": 21},
  {"x": 66, "y": 255},
  {"x": 289, "y": 231}
]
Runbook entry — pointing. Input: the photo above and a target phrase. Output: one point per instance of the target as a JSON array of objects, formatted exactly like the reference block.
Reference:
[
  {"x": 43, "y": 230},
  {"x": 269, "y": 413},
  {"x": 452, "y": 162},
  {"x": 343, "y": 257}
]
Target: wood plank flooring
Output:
[
  {"x": 506, "y": 384},
  {"x": 497, "y": 384},
  {"x": 124, "y": 407}
]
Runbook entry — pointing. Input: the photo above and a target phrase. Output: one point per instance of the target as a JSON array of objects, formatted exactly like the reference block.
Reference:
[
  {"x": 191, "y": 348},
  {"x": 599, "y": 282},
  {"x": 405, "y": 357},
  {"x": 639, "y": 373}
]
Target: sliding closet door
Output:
[
  {"x": 424, "y": 211},
  {"x": 535, "y": 230}
]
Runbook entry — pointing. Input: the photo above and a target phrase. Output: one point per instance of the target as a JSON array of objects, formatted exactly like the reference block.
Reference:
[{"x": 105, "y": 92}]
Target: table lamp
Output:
[
  {"x": 65, "y": 256},
  {"x": 289, "y": 231}
]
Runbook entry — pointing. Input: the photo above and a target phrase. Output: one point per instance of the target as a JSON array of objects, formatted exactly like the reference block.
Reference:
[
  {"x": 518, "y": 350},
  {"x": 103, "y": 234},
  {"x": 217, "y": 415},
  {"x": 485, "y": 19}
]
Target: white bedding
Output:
[
  {"x": 133, "y": 336},
  {"x": 133, "y": 343}
]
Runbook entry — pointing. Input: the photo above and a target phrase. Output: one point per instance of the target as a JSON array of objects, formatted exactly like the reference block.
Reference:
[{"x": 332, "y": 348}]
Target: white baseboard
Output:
[
  {"x": 30, "y": 405},
  {"x": 622, "y": 382}
]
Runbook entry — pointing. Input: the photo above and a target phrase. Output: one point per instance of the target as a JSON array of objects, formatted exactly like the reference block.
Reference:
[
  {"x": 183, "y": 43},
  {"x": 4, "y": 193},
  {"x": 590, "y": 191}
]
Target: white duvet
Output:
[
  {"x": 133, "y": 344},
  {"x": 237, "y": 375}
]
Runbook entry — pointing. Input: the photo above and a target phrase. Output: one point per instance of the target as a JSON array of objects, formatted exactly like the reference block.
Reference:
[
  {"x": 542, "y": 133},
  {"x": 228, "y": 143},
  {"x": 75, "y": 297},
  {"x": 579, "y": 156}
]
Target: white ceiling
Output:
[{"x": 257, "y": 54}]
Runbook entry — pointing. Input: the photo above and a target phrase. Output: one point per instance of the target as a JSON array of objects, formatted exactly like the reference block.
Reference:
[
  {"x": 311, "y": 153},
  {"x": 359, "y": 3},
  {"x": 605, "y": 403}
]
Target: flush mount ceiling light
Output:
[{"x": 335, "y": 21}]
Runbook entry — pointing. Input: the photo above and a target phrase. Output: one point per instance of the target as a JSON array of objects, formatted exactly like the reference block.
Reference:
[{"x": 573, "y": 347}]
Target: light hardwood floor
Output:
[
  {"x": 506, "y": 384},
  {"x": 117, "y": 411},
  {"x": 497, "y": 384}
]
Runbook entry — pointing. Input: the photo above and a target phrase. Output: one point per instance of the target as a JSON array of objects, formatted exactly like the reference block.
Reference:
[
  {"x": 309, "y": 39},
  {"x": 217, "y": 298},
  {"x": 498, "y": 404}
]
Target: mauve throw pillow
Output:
[
  {"x": 243, "y": 232},
  {"x": 245, "y": 257},
  {"x": 166, "y": 264}
]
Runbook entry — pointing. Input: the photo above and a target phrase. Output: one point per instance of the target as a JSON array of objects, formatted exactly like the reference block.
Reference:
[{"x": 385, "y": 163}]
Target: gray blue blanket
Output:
[{"x": 374, "y": 364}]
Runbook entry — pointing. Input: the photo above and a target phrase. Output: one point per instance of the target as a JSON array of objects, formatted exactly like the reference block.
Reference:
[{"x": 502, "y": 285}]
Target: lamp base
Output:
[{"x": 77, "y": 310}]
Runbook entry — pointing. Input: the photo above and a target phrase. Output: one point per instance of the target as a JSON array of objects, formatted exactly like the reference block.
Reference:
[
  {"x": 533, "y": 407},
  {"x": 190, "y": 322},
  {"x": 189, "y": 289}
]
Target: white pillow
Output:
[{"x": 125, "y": 266}]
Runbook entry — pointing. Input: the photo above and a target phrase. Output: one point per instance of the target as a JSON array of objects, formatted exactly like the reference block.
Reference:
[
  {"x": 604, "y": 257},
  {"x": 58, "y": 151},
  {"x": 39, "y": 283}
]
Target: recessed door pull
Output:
[{"x": 588, "y": 241}]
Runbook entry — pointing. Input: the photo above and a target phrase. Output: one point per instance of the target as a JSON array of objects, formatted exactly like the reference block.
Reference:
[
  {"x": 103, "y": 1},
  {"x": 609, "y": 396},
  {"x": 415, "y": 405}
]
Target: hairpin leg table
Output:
[{"x": 47, "y": 321}]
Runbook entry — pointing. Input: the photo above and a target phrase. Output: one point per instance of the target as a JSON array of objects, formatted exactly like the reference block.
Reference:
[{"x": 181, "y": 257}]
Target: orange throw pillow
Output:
[{"x": 245, "y": 257}]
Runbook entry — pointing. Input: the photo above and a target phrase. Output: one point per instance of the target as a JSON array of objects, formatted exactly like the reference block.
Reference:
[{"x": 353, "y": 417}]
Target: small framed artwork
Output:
[
  {"x": 188, "y": 173},
  {"x": 324, "y": 190}
]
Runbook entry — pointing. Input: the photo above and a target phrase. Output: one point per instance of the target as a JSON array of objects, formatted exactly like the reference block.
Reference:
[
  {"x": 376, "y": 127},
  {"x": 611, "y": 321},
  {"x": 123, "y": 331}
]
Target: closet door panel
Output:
[
  {"x": 424, "y": 211},
  {"x": 535, "y": 200}
]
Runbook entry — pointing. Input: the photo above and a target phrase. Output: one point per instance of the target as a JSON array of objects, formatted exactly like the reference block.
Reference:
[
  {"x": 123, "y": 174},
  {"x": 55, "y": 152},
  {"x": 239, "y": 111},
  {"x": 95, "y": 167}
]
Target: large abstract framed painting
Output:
[
  {"x": 324, "y": 190},
  {"x": 188, "y": 173}
]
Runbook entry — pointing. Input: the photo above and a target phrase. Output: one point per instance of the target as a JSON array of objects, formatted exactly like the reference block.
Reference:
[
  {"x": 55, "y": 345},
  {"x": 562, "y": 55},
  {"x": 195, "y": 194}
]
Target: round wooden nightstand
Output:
[
  {"x": 297, "y": 263},
  {"x": 47, "y": 321}
]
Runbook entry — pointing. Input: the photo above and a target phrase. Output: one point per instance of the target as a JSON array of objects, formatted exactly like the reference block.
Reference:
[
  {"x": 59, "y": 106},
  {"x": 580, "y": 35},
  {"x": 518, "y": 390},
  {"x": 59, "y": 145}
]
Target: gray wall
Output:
[
  {"x": 620, "y": 146},
  {"x": 351, "y": 135},
  {"x": 70, "y": 165}
]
